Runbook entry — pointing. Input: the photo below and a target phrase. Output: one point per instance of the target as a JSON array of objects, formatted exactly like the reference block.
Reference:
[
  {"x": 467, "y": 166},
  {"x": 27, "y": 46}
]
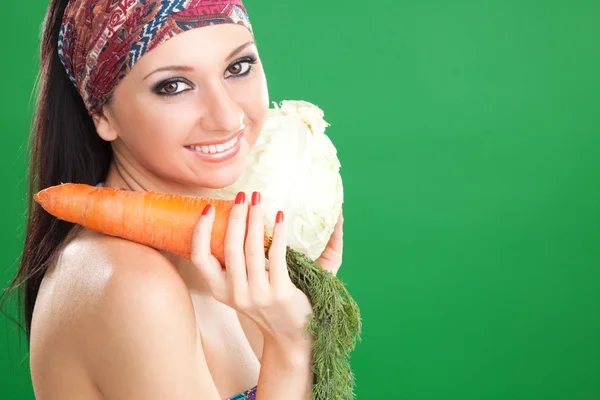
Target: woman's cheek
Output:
[
  {"x": 168, "y": 126},
  {"x": 256, "y": 108}
]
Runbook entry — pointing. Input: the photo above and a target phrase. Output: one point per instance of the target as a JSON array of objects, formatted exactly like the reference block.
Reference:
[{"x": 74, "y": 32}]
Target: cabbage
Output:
[{"x": 295, "y": 167}]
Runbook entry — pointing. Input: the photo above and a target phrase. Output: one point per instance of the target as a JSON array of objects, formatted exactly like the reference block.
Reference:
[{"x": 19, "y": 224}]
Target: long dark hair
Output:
[{"x": 63, "y": 147}]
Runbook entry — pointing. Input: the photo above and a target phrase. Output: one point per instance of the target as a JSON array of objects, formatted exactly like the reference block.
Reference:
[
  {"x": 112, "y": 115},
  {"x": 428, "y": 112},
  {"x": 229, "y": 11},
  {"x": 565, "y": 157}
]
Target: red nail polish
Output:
[
  {"x": 240, "y": 198},
  {"x": 279, "y": 217},
  {"x": 255, "y": 198},
  {"x": 206, "y": 209}
]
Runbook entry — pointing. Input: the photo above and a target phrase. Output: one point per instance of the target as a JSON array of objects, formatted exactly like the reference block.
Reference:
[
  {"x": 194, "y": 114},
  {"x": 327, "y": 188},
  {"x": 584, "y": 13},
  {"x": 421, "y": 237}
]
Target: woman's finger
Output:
[
  {"x": 331, "y": 257},
  {"x": 337, "y": 237},
  {"x": 255, "y": 246},
  {"x": 201, "y": 255},
  {"x": 278, "y": 271},
  {"x": 235, "y": 263}
]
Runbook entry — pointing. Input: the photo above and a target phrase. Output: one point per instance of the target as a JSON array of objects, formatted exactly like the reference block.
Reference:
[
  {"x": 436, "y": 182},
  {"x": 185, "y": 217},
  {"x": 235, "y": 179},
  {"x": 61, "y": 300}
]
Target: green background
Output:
[{"x": 469, "y": 137}]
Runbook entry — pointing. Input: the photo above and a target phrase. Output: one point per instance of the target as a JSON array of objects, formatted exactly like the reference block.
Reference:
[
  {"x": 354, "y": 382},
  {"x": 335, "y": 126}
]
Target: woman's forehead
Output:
[{"x": 102, "y": 40}]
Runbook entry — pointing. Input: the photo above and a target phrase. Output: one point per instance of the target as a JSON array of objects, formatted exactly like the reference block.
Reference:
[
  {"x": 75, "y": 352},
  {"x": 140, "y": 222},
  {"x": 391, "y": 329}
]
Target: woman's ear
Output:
[{"x": 105, "y": 125}]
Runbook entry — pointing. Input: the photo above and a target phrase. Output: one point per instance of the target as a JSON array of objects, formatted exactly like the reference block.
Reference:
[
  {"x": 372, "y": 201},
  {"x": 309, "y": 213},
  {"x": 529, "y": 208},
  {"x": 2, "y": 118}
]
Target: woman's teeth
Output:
[{"x": 214, "y": 149}]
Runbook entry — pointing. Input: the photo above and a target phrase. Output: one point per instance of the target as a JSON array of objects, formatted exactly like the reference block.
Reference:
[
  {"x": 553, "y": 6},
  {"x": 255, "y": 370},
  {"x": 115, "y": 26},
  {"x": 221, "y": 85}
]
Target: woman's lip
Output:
[
  {"x": 220, "y": 141},
  {"x": 220, "y": 157}
]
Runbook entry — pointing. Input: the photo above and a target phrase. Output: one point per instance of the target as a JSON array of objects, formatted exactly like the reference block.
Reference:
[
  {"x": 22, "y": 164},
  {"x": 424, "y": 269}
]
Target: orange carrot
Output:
[{"x": 164, "y": 221}]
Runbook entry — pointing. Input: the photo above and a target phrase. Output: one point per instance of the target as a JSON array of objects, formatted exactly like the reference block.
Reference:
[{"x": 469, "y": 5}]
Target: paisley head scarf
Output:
[{"x": 101, "y": 40}]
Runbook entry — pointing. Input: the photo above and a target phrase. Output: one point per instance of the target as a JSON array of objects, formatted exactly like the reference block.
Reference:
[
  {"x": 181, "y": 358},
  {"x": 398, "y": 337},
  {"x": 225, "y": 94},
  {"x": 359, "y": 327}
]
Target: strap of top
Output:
[{"x": 247, "y": 395}]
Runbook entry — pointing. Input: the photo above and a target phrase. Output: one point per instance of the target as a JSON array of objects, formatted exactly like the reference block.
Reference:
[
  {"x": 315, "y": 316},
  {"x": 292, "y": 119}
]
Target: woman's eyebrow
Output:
[
  {"x": 188, "y": 68},
  {"x": 237, "y": 50},
  {"x": 171, "y": 68}
]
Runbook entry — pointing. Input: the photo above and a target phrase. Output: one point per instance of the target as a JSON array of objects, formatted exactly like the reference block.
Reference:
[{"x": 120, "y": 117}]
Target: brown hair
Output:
[{"x": 63, "y": 147}]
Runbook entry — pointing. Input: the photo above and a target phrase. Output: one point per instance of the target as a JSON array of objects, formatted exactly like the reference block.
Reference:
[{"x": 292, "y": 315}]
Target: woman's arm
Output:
[
  {"x": 145, "y": 343},
  {"x": 285, "y": 372}
]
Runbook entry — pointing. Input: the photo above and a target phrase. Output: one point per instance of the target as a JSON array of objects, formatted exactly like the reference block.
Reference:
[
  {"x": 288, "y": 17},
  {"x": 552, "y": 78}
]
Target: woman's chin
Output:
[
  {"x": 219, "y": 178},
  {"x": 216, "y": 183}
]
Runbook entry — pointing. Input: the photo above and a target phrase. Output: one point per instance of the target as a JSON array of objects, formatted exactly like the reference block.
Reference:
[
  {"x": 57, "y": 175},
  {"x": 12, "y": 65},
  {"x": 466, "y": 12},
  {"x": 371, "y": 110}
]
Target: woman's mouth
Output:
[{"x": 217, "y": 151}]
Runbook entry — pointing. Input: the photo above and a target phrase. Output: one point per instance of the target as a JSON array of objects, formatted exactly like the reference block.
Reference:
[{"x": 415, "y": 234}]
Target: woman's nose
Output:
[{"x": 222, "y": 112}]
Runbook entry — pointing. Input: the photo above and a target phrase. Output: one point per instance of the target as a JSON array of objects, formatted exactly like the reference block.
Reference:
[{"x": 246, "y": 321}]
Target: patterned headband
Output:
[{"x": 101, "y": 40}]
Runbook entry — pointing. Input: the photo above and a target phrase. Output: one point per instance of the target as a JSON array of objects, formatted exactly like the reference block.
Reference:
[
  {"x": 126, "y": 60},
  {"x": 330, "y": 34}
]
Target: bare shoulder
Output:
[
  {"x": 113, "y": 272},
  {"x": 136, "y": 329},
  {"x": 131, "y": 275}
]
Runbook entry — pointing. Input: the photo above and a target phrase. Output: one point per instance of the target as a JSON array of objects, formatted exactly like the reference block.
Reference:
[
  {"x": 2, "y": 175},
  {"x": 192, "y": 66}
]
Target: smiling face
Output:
[{"x": 188, "y": 113}]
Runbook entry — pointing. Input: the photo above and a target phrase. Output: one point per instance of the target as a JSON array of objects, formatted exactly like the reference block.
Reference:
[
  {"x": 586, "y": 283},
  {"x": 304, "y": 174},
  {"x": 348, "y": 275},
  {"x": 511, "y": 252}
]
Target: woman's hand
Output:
[
  {"x": 331, "y": 257},
  {"x": 268, "y": 297}
]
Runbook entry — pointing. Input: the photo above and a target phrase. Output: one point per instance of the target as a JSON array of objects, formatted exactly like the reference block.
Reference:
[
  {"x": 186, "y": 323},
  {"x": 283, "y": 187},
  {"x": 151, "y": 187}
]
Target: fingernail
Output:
[
  {"x": 206, "y": 209},
  {"x": 279, "y": 217},
  {"x": 240, "y": 198},
  {"x": 255, "y": 198}
]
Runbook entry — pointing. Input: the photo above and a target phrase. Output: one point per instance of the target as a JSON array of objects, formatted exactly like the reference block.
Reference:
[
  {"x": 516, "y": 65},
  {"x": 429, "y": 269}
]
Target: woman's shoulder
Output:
[
  {"x": 114, "y": 270},
  {"x": 128, "y": 315},
  {"x": 111, "y": 262},
  {"x": 107, "y": 284}
]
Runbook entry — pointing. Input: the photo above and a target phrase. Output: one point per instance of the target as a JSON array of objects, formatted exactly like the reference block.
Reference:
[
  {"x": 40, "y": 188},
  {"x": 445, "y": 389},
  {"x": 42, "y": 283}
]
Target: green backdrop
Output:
[{"x": 469, "y": 136}]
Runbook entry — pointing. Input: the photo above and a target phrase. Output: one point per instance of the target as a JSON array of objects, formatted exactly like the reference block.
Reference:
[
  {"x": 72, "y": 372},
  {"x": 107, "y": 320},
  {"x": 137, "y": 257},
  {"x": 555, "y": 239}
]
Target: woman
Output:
[{"x": 168, "y": 96}]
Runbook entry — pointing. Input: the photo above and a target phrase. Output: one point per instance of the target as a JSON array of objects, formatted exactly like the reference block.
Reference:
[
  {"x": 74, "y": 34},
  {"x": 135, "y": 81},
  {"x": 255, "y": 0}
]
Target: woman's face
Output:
[{"x": 189, "y": 111}]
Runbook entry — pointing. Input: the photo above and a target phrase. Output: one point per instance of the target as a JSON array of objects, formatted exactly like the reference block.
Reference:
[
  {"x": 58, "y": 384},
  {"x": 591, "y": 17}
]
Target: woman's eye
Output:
[
  {"x": 173, "y": 87},
  {"x": 237, "y": 69}
]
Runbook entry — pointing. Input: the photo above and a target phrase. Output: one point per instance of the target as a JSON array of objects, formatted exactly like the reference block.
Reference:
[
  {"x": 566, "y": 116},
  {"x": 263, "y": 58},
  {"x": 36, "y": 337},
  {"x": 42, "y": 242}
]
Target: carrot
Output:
[
  {"x": 166, "y": 221},
  {"x": 163, "y": 221}
]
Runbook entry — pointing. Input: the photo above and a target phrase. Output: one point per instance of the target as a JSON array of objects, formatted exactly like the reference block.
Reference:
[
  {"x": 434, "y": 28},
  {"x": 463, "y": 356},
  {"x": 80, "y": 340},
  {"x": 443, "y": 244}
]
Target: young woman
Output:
[{"x": 168, "y": 96}]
